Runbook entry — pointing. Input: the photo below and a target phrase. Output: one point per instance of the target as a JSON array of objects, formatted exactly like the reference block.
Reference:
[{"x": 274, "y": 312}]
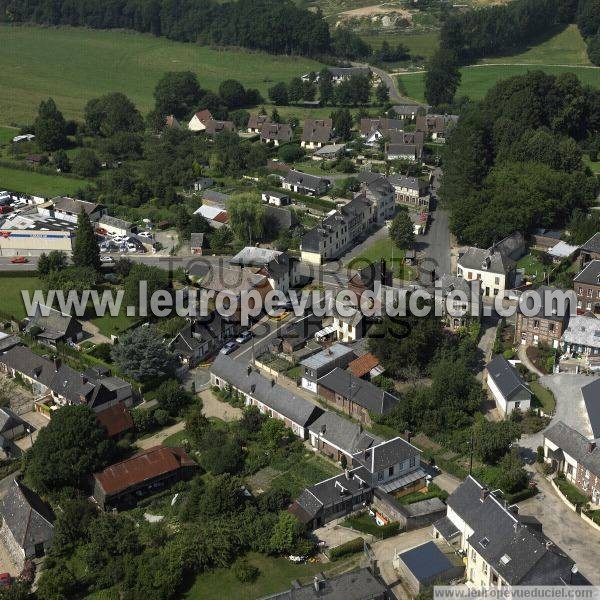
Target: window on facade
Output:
[
  {"x": 589, "y": 292},
  {"x": 551, "y": 327},
  {"x": 413, "y": 461},
  {"x": 536, "y": 323},
  {"x": 497, "y": 280},
  {"x": 390, "y": 471},
  {"x": 380, "y": 476}
]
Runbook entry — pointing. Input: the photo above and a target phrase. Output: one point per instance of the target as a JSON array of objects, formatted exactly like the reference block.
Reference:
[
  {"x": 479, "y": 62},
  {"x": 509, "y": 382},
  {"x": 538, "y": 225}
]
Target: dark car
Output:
[
  {"x": 245, "y": 336},
  {"x": 229, "y": 347}
]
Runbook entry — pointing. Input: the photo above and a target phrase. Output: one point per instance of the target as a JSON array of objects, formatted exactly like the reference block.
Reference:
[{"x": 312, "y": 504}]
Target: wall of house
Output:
[
  {"x": 588, "y": 297},
  {"x": 533, "y": 330},
  {"x": 16, "y": 552},
  {"x": 491, "y": 283},
  {"x": 521, "y": 401},
  {"x": 344, "y": 405}
]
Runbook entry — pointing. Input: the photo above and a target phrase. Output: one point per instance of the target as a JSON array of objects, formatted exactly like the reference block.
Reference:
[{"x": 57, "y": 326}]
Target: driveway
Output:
[
  {"x": 565, "y": 529},
  {"x": 200, "y": 376},
  {"x": 213, "y": 407},
  {"x": 569, "y": 406},
  {"x": 159, "y": 437},
  {"x": 333, "y": 534}
]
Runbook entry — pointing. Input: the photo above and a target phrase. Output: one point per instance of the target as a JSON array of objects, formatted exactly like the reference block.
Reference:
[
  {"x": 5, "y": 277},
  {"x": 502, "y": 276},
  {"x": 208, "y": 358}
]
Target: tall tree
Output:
[
  {"x": 442, "y": 78},
  {"x": 50, "y": 126},
  {"x": 177, "y": 93},
  {"x": 402, "y": 230},
  {"x": 67, "y": 451},
  {"x": 342, "y": 123},
  {"x": 86, "y": 252},
  {"x": 326, "y": 91},
  {"x": 247, "y": 217}
]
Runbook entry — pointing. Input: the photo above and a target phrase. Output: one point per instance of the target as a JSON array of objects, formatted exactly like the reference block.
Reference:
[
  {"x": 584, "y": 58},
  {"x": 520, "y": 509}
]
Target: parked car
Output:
[
  {"x": 145, "y": 234},
  {"x": 107, "y": 259},
  {"x": 229, "y": 347},
  {"x": 5, "y": 580},
  {"x": 245, "y": 336},
  {"x": 132, "y": 248},
  {"x": 19, "y": 260}
]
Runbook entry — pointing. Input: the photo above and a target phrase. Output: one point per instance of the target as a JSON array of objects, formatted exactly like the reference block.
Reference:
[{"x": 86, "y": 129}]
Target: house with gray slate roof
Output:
[
  {"x": 501, "y": 548},
  {"x": 508, "y": 388},
  {"x": 11, "y": 425},
  {"x": 27, "y": 523},
  {"x": 272, "y": 399},
  {"x": 353, "y": 396},
  {"x": 575, "y": 455},
  {"x": 494, "y": 269},
  {"x": 49, "y": 326},
  {"x": 590, "y": 250},
  {"x": 591, "y": 399},
  {"x": 305, "y": 183},
  {"x": 359, "y": 584},
  {"x": 336, "y": 436},
  {"x": 55, "y": 384}
]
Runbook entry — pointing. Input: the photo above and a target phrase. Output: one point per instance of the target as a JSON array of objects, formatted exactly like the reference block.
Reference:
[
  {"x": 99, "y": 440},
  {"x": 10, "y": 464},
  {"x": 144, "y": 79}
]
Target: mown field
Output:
[
  {"x": 478, "y": 79},
  {"x": 73, "y": 65},
  {"x": 563, "y": 52},
  {"x": 38, "y": 184}
]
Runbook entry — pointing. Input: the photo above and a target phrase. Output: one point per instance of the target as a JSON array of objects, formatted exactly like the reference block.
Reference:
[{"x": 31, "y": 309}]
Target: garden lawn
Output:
[
  {"x": 570, "y": 492},
  {"x": 305, "y": 473},
  {"x": 276, "y": 575},
  {"x": 175, "y": 440},
  {"x": 11, "y": 301},
  {"x": 534, "y": 269},
  {"x": 383, "y": 248},
  {"x": 593, "y": 165},
  {"x": 39, "y": 184},
  {"x": 73, "y": 65},
  {"x": 544, "y": 396},
  {"x": 109, "y": 325}
]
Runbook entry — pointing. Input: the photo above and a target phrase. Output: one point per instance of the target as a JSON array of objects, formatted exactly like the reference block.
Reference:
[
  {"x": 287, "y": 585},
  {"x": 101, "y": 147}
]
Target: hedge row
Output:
[
  {"x": 520, "y": 495},
  {"x": 382, "y": 532},
  {"x": 349, "y": 547}
]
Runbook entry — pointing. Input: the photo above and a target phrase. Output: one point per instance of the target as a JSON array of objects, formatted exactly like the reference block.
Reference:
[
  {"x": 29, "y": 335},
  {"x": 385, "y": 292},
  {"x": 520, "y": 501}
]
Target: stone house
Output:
[{"x": 587, "y": 288}]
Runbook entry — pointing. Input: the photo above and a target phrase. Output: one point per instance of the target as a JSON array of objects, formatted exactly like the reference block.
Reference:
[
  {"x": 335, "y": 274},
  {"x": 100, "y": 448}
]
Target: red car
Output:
[
  {"x": 5, "y": 580},
  {"x": 19, "y": 260}
]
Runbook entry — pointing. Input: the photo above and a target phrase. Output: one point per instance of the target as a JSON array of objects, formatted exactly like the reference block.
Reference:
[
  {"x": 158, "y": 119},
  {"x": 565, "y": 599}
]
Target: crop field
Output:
[{"x": 73, "y": 65}]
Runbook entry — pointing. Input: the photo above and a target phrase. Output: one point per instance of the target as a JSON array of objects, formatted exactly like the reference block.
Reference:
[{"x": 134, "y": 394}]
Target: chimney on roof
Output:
[
  {"x": 249, "y": 370},
  {"x": 484, "y": 493},
  {"x": 591, "y": 445},
  {"x": 57, "y": 363},
  {"x": 323, "y": 429}
]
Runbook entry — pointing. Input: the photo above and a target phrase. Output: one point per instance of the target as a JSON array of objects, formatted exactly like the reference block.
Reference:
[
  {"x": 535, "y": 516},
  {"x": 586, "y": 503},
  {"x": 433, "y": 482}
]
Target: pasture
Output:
[
  {"x": 39, "y": 184},
  {"x": 478, "y": 79},
  {"x": 73, "y": 65}
]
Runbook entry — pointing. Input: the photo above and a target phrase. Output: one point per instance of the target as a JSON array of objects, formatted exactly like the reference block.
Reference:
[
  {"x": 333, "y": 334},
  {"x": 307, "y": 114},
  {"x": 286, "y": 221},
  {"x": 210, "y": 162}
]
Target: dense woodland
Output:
[
  {"x": 274, "y": 26},
  {"x": 514, "y": 162}
]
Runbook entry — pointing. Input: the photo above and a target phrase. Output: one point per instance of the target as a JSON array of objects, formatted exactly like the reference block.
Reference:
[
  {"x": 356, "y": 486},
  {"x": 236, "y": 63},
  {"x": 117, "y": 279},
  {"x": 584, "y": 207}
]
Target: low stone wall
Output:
[
  {"x": 590, "y": 522},
  {"x": 562, "y": 496}
]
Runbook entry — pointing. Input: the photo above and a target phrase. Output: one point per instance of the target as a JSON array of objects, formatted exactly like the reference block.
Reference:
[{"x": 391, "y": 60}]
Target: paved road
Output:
[
  {"x": 565, "y": 529},
  {"x": 388, "y": 79},
  {"x": 434, "y": 248}
]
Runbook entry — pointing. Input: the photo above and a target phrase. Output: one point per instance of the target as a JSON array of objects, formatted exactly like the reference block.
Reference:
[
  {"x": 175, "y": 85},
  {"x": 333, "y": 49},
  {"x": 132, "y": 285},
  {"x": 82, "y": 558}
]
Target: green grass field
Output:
[
  {"x": 73, "y": 65},
  {"x": 566, "y": 47},
  {"x": 419, "y": 44},
  {"x": 383, "y": 248},
  {"x": 7, "y": 134},
  {"x": 552, "y": 56},
  {"x": 39, "y": 184},
  {"x": 11, "y": 301},
  {"x": 478, "y": 79}
]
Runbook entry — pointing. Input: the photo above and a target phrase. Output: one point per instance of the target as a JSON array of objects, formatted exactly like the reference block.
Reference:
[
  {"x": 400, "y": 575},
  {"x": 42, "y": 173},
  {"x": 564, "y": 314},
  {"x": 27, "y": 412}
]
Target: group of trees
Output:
[
  {"x": 354, "y": 91},
  {"x": 588, "y": 21},
  {"x": 514, "y": 161},
  {"x": 269, "y": 25}
]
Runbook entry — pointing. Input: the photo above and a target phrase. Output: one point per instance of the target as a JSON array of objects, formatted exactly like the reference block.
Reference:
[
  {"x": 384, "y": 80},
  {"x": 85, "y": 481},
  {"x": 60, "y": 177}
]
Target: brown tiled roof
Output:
[
  {"x": 363, "y": 364},
  {"x": 144, "y": 466},
  {"x": 116, "y": 419},
  {"x": 204, "y": 115},
  {"x": 222, "y": 217}
]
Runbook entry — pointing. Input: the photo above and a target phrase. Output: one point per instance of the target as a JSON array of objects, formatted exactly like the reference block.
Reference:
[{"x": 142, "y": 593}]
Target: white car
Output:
[
  {"x": 107, "y": 259},
  {"x": 119, "y": 238},
  {"x": 145, "y": 234},
  {"x": 131, "y": 247}
]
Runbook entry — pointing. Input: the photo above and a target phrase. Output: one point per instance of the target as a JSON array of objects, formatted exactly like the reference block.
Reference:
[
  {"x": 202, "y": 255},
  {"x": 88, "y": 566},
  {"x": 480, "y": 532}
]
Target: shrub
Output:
[
  {"x": 349, "y": 547},
  {"x": 363, "y": 523},
  {"x": 520, "y": 495},
  {"x": 245, "y": 572},
  {"x": 509, "y": 353},
  {"x": 540, "y": 455}
]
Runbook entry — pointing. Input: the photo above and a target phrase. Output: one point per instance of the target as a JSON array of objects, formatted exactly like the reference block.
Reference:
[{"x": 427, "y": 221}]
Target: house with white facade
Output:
[
  {"x": 508, "y": 388},
  {"x": 500, "y": 547},
  {"x": 199, "y": 120}
]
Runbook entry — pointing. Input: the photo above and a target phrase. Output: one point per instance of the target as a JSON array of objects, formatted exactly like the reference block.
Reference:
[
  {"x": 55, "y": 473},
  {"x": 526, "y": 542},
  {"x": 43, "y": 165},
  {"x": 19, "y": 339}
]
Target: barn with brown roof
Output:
[{"x": 148, "y": 472}]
